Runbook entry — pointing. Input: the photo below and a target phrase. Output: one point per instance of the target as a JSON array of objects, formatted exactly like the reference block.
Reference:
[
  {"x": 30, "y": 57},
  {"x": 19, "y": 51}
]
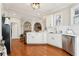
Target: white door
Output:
[{"x": 14, "y": 30}]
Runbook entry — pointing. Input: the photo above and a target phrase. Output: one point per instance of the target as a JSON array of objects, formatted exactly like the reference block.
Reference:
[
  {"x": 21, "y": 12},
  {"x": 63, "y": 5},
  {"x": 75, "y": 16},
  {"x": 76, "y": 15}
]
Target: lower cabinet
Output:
[
  {"x": 44, "y": 38},
  {"x": 35, "y": 38},
  {"x": 76, "y": 46},
  {"x": 55, "y": 40}
]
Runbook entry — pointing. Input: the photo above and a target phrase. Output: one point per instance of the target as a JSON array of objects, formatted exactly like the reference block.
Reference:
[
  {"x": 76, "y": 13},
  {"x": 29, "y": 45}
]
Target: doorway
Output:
[
  {"x": 14, "y": 27},
  {"x": 27, "y": 28}
]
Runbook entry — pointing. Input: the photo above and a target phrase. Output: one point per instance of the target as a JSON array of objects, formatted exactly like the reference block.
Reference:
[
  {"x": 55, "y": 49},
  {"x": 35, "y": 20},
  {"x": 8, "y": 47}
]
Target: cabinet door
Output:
[
  {"x": 35, "y": 38},
  {"x": 55, "y": 40},
  {"x": 39, "y": 38},
  {"x": 77, "y": 46},
  {"x": 50, "y": 39},
  {"x": 30, "y": 38},
  {"x": 44, "y": 40},
  {"x": 58, "y": 40}
]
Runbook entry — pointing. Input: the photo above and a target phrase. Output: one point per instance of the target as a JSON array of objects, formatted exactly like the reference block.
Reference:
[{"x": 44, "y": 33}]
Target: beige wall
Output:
[
  {"x": 33, "y": 21},
  {"x": 65, "y": 13},
  {"x": 0, "y": 22}
]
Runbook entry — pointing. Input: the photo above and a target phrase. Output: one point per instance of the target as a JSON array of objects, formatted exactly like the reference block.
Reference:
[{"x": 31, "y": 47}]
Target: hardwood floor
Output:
[{"x": 21, "y": 49}]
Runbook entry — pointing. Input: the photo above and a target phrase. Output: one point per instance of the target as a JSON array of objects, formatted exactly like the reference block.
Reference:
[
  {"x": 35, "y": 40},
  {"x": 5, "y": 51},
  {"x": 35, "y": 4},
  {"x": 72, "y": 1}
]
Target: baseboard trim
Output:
[
  {"x": 15, "y": 38},
  {"x": 37, "y": 44},
  {"x": 54, "y": 46},
  {"x": 43, "y": 44}
]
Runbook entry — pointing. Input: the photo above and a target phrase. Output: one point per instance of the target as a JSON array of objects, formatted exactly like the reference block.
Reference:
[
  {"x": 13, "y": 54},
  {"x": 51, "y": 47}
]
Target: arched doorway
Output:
[{"x": 27, "y": 26}]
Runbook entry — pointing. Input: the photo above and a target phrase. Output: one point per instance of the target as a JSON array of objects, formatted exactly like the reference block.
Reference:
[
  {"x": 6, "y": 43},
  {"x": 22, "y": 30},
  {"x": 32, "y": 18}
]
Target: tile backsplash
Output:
[
  {"x": 75, "y": 29},
  {"x": 65, "y": 29}
]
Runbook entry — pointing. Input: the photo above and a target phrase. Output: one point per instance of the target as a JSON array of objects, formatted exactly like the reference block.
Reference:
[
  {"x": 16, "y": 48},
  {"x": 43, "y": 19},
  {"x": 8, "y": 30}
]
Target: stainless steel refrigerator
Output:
[{"x": 6, "y": 34}]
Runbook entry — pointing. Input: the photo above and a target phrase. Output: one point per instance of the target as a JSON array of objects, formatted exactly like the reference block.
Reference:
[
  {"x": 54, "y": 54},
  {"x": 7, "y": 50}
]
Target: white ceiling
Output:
[{"x": 24, "y": 10}]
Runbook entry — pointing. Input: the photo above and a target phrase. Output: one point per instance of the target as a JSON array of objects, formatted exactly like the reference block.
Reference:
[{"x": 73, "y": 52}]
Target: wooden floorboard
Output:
[{"x": 21, "y": 49}]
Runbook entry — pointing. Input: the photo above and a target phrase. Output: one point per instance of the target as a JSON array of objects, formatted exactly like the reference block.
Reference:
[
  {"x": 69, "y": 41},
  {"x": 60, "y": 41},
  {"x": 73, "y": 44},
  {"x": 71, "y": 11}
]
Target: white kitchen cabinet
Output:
[
  {"x": 45, "y": 37},
  {"x": 50, "y": 39},
  {"x": 49, "y": 21},
  {"x": 55, "y": 40},
  {"x": 76, "y": 46},
  {"x": 35, "y": 38}
]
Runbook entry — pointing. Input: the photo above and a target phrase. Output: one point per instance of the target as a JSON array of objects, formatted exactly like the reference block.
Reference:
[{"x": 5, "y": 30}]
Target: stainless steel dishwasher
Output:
[{"x": 68, "y": 44}]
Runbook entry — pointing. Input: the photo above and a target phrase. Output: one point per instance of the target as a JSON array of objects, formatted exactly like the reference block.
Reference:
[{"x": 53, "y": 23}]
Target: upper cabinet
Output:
[
  {"x": 49, "y": 21},
  {"x": 75, "y": 15}
]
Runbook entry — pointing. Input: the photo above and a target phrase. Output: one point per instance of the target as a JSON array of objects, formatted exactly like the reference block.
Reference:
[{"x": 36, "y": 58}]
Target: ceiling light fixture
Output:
[{"x": 35, "y": 5}]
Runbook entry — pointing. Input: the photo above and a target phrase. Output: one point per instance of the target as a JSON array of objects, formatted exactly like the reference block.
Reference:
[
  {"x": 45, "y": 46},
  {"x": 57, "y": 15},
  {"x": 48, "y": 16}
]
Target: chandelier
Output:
[{"x": 35, "y": 5}]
